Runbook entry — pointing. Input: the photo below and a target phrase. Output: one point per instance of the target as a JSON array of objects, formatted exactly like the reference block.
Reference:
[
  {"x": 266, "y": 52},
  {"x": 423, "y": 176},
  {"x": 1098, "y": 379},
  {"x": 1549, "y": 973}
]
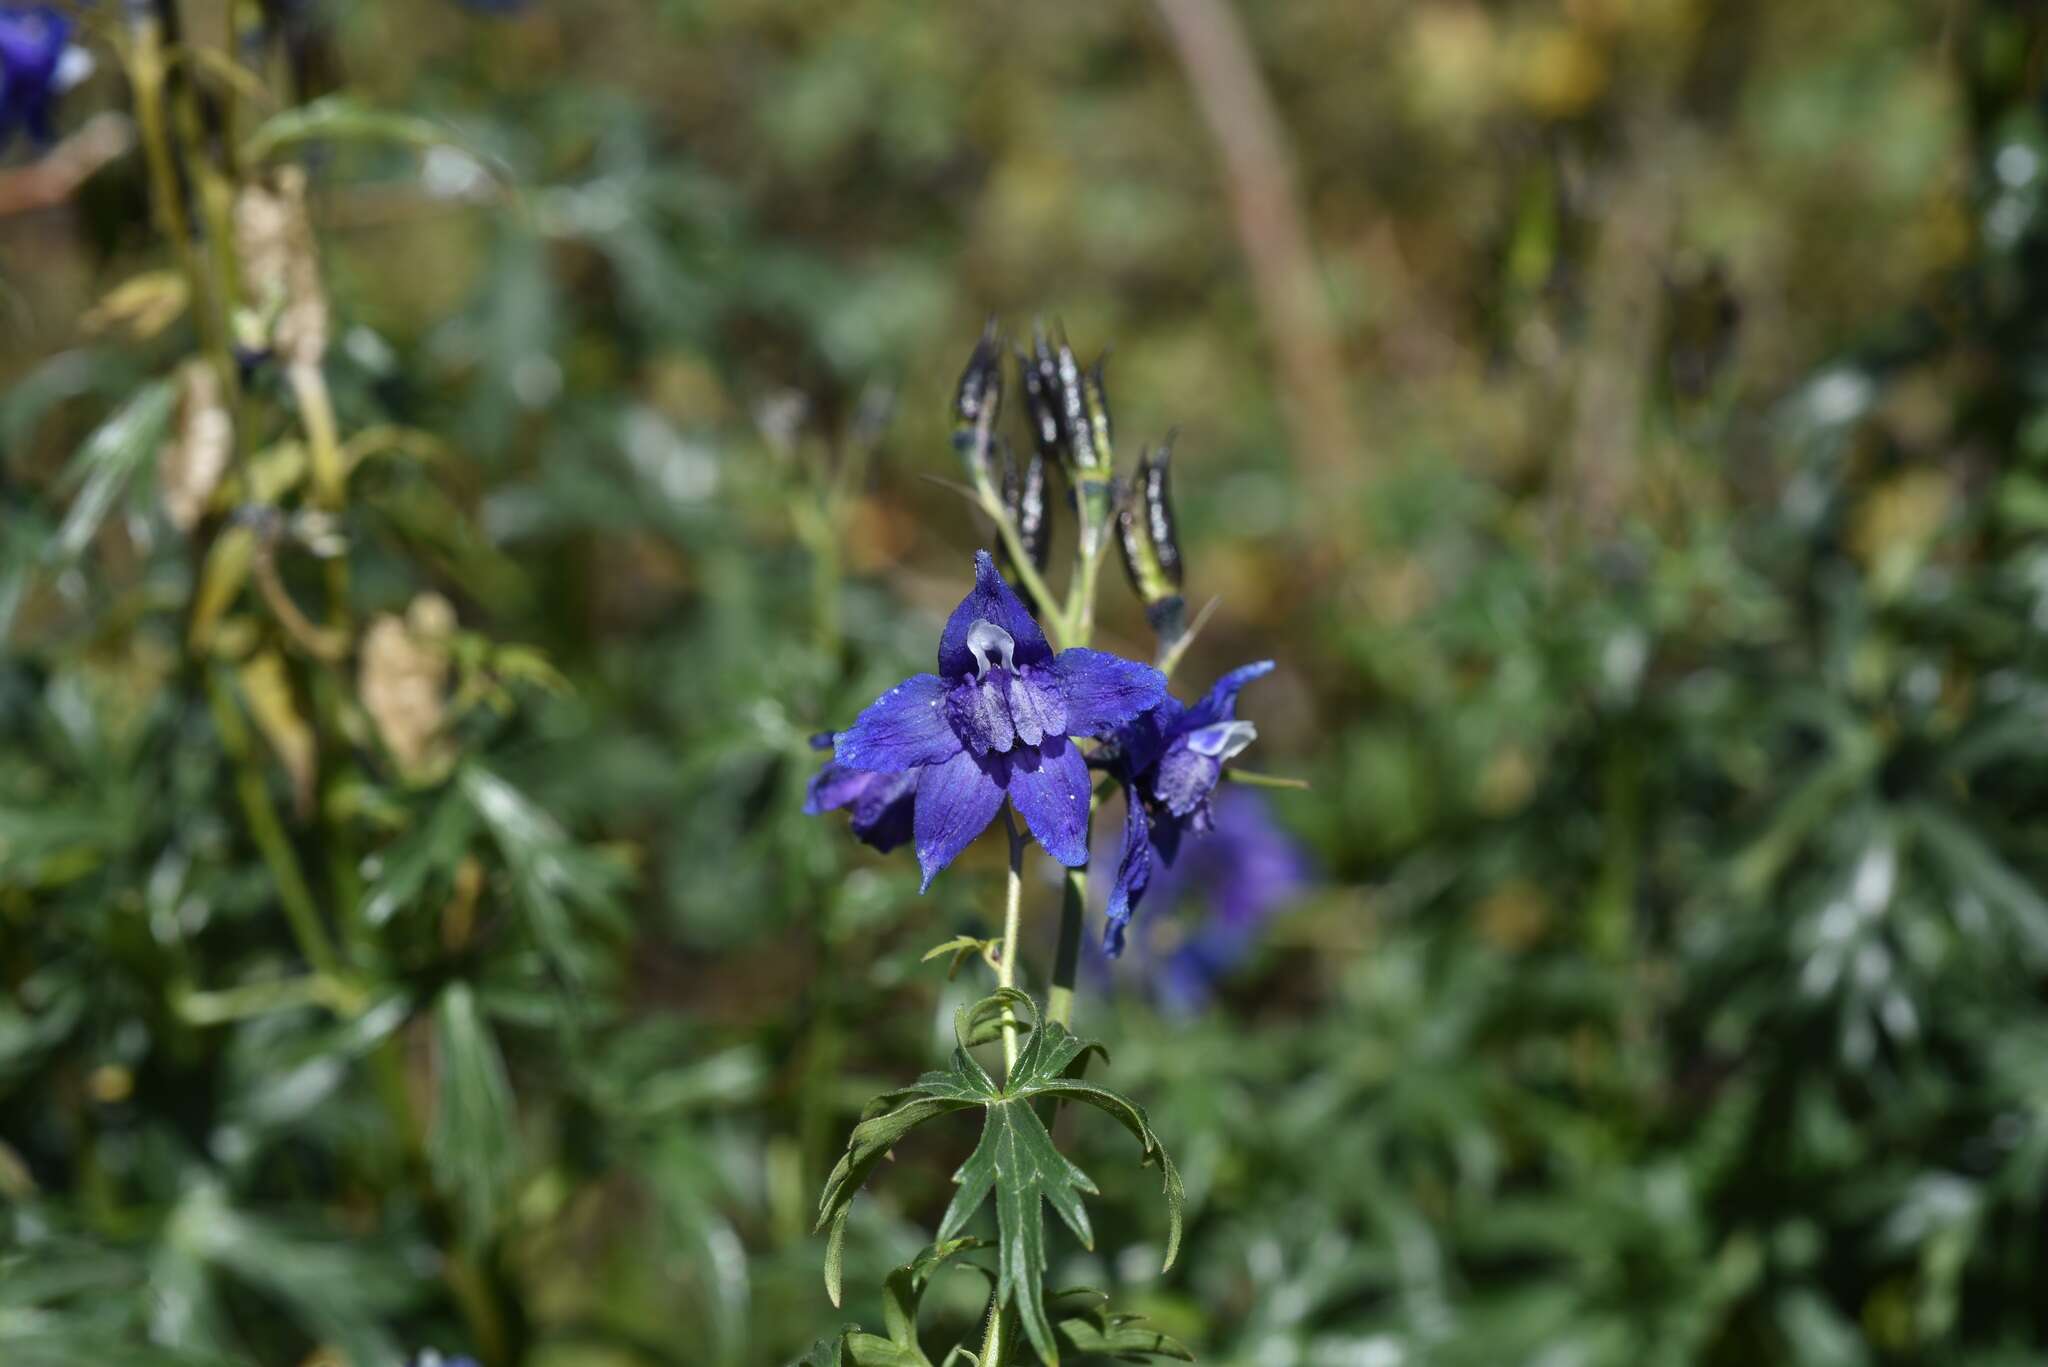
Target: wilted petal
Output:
[
  {"x": 1221, "y": 702},
  {"x": 1036, "y": 708},
  {"x": 1049, "y": 788},
  {"x": 1102, "y": 691},
  {"x": 989, "y": 601},
  {"x": 955, "y": 802},
  {"x": 903, "y": 728},
  {"x": 1133, "y": 874}
]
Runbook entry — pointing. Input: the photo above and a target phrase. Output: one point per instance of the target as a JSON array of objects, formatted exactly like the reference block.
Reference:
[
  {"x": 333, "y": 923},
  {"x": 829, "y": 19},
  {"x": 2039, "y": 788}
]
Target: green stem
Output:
[
  {"x": 1048, "y": 604},
  {"x": 995, "y": 1341},
  {"x": 268, "y": 832},
  {"x": 1066, "y": 959},
  {"x": 1013, "y": 916}
]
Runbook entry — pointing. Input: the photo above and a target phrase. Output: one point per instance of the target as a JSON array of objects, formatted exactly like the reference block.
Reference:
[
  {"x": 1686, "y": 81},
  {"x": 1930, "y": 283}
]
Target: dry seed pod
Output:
[
  {"x": 402, "y": 681},
  {"x": 281, "y": 265},
  {"x": 195, "y": 458}
]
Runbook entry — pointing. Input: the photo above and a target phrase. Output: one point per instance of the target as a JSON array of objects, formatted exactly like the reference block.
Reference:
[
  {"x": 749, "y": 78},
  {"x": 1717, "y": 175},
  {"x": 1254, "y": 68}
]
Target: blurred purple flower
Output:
[
  {"x": 1225, "y": 888},
  {"x": 997, "y": 722},
  {"x": 1169, "y": 761},
  {"x": 37, "y": 64}
]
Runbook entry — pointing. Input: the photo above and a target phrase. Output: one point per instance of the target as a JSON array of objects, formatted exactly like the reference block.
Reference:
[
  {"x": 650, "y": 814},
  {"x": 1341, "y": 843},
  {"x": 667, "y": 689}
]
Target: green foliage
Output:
[
  {"x": 1665, "y": 659},
  {"x": 1016, "y": 1159}
]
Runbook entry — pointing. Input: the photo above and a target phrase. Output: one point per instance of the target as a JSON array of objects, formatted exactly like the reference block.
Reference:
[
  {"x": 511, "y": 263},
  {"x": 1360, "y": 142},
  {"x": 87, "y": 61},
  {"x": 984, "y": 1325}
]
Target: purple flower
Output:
[
  {"x": 996, "y": 721},
  {"x": 1169, "y": 761},
  {"x": 1226, "y": 887},
  {"x": 37, "y": 63},
  {"x": 881, "y": 803}
]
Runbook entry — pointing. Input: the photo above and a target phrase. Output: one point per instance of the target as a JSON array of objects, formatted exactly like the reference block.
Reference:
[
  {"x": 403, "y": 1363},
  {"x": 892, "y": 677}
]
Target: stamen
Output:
[
  {"x": 984, "y": 639},
  {"x": 1223, "y": 740}
]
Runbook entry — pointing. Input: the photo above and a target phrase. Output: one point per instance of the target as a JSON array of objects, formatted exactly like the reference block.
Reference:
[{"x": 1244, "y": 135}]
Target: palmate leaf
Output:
[{"x": 1016, "y": 1159}]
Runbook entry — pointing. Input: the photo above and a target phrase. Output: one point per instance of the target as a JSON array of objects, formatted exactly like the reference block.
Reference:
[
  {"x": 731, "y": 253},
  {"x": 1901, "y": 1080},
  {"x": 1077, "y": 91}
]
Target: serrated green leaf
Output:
[
  {"x": 471, "y": 1144},
  {"x": 341, "y": 118},
  {"x": 1101, "y": 1332},
  {"x": 1016, "y": 1160},
  {"x": 112, "y": 455}
]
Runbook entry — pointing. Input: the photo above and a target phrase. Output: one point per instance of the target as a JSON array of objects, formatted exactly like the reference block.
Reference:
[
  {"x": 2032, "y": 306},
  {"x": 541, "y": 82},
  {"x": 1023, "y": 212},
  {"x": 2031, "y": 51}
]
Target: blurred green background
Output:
[{"x": 1624, "y": 421}]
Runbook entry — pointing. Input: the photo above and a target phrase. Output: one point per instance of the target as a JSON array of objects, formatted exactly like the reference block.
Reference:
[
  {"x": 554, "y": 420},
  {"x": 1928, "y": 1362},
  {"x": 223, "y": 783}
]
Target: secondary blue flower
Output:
[
  {"x": 1228, "y": 887},
  {"x": 881, "y": 803},
  {"x": 1222, "y": 892},
  {"x": 34, "y": 70},
  {"x": 997, "y": 721},
  {"x": 1170, "y": 761}
]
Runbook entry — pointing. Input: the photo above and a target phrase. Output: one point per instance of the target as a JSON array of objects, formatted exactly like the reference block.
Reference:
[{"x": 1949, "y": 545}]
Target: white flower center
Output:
[
  {"x": 984, "y": 639},
  {"x": 1223, "y": 740}
]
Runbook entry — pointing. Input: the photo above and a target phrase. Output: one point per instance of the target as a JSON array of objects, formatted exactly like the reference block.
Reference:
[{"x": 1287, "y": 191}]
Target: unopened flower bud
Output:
[
  {"x": 977, "y": 404},
  {"x": 1150, "y": 544},
  {"x": 1026, "y": 498},
  {"x": 1042, "y": 405}
]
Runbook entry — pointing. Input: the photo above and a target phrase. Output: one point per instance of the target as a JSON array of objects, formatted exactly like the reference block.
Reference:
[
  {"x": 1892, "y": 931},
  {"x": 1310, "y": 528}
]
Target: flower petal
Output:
[
  {"x": 1185, "y": 780},
  {"x": 1049, "y": 788},
  {"x": 1036, "y": 707},
  {"x": 1133, "y": 874},
  {"x": 1102, "y": 690},
  {"x": 882, "y": 815},
  {"x": 835, "y": 786},
  {"x": 955, "y": 802},
  {"x": 989, "y": 601},
  {"x": 980, "y": 717},
  {"x": 1221, "y": 702},
  {"x": 903, "y": 728}
]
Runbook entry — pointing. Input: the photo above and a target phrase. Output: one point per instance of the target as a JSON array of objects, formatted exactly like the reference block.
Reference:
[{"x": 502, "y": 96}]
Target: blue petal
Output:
[
  {"x": 903, "y": 728},
  {"x": 1049, "y": 788},
  {"x": 1036, "y": 707},
  {"x": 1185, "y": 780},
  {"x": 989, "y": 601},
  {"x": 881, "y": 802},
  {"x": 980, "y": 717},
  {"x": 883, "y": 814},
  {"x": 836, "y": 786},
  {"x": 1103, "y": 691},
  {"x": 1133, "y": 874},
  {"x": 1221, "y": 702},
  {"x": 955, "y": 802},
  {"x": 1144, "y": 738}
]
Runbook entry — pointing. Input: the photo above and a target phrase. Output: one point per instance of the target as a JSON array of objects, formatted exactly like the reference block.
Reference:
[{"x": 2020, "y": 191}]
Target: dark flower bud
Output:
[
  {"x": 1084, "y": 415},
  {"x": 1150, "y": 545},
  {"x": 1042, "y": 404},
  {"x": 977, "y": 403},
  {"x": 1027, "y": 500}
]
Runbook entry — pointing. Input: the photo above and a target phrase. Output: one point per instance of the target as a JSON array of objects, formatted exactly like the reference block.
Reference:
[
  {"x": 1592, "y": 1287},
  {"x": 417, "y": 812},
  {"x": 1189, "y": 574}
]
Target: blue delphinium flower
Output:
[
  {"x": 881, "y": 803},
  {"x": 1226, "y": 888},
  {"x": 37, "y": 62},
  {"x": 1169, "y": 761},
  {"x": 997, "y": 721}
]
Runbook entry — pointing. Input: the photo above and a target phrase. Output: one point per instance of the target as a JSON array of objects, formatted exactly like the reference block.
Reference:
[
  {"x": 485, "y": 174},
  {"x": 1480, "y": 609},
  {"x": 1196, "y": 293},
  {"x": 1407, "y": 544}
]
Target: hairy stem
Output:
[{"x": 996, "y": 1339}]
